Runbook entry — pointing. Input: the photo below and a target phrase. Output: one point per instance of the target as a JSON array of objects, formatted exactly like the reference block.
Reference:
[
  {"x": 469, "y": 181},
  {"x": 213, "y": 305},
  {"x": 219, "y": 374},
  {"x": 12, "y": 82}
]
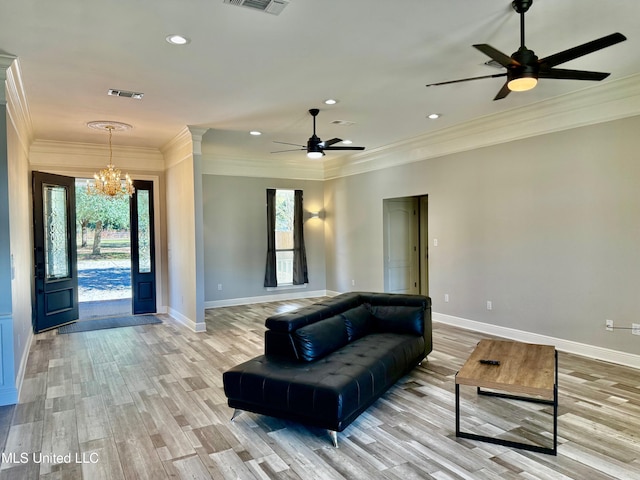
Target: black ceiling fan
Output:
[
  {"x": 524, "y": 68},
  {"x": 315, "y": 147}
]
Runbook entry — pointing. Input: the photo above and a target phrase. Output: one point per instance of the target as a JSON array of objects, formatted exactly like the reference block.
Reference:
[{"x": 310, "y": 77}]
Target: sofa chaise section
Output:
[{"x": 326, "y": 363}]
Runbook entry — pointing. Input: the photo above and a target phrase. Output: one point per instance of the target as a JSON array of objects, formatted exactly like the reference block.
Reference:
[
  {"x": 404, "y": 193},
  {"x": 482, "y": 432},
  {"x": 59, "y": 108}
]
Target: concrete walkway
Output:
[
  {"x": 104, "y": 288},
  {"x": 104, "y": 308}
]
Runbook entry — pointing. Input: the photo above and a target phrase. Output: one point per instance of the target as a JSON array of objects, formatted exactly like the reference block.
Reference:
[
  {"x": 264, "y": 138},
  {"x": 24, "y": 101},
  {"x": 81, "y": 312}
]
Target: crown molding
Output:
[
  {"x": 250, "y": 167},
  {"x": 6, "y": 61},
  {"x": 16, "y": 99},
  {"x": 602, "y": 103},
  {"x": 87, "y": 156},
  {"x": 178, "y": 149}
]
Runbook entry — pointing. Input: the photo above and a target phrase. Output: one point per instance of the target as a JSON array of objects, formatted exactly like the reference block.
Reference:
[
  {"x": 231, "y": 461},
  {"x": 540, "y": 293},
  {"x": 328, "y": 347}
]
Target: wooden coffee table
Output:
[{"x": 529, "y": 371}]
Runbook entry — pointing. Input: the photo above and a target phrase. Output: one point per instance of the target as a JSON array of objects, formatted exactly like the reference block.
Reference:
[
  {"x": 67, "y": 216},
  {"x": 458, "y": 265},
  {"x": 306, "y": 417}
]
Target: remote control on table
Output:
[{"x": 490, "y": 362}]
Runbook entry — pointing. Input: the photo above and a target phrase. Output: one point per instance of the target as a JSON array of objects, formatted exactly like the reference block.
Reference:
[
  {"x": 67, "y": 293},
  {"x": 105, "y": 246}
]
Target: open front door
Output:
[
  {"x": 143, "y": 271},
  {"x": 56, "y": 271}
]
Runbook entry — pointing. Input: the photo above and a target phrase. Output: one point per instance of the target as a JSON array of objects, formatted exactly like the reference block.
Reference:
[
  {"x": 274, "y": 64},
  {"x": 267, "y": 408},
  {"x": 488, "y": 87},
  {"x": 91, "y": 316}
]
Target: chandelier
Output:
[{"x": 108, "y": 181}]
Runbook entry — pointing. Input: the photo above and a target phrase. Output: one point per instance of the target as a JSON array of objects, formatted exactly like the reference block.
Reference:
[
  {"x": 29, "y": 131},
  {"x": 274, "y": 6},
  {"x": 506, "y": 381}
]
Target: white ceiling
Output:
[{"x": 246, "y": 70}]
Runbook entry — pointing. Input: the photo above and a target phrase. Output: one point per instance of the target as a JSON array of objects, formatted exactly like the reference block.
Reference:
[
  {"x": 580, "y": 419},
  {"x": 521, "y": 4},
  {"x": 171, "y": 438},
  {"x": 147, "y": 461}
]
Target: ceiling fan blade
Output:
[
  {"x": 564, "y": 74},
  {"x": 504, "y": 91},
  {"x": 580, "y": 50},
  {"x": 468, "y": 79},
  {"x": 343, "y": 148},
  {"x": 292, "y": 150},
  {"x": 497, "y": 55},
  {"x": 286, "y": 143},
  {"x": 328, "y": 143}
]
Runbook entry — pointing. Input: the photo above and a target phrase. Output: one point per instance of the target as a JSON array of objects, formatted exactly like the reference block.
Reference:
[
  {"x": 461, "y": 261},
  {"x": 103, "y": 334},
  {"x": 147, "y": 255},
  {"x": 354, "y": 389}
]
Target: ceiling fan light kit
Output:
[
  {"x": 524, "y": 68},
  {"x": 522, "y": 84},
  {"x": 315, "y": 146}
]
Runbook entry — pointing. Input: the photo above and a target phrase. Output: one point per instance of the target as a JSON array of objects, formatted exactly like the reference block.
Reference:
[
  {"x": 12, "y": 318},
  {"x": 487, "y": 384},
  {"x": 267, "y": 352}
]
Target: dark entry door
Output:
[
  {"x": 56, "y": 272},
  {"x": 143, "y": 271}
]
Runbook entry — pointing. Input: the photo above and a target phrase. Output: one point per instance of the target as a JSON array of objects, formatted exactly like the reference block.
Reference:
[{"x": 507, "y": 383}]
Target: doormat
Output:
[{"x": 111, "y": 322}]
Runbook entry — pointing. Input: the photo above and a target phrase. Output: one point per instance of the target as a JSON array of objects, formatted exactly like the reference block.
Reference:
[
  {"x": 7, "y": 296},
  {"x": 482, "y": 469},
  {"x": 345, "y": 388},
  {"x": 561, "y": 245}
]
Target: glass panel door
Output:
[
  {"x": 56, "y": 279},
  {"x": 143, "y": 277}
]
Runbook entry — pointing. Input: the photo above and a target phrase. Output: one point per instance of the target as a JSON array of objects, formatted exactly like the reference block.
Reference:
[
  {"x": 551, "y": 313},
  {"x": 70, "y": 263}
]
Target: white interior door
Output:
[{"x": 401, "y": 235}]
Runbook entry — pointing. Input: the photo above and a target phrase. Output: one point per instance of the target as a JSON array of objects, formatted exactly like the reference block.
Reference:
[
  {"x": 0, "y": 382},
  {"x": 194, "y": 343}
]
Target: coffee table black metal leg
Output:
[
  {"x": 457, "y": 410},
  {"x": 555, "y": 411}
]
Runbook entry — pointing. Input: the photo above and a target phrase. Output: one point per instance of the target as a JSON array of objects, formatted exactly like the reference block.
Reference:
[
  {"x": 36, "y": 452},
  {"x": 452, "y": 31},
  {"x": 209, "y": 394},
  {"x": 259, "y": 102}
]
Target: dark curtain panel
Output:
[
  {"x": 300, "y": 274},
  {"x": 270, "y": 278}
]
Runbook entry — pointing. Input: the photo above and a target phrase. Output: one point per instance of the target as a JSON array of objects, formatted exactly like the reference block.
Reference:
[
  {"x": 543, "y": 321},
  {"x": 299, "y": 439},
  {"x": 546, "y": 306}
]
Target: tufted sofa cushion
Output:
[
  {"x": 398, "y": 319},
  {"x": 321, "y": 338},
  {"x": 358, "y": 321}
]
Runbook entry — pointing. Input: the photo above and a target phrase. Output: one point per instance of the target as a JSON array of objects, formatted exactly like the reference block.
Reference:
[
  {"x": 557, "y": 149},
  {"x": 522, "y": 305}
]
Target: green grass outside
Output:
[{"x": 111, "y": 249}]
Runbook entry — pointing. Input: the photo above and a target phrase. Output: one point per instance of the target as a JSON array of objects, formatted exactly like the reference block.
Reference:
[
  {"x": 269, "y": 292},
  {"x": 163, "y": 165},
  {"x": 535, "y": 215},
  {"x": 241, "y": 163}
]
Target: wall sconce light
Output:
[{"x": 315, "y": 214}]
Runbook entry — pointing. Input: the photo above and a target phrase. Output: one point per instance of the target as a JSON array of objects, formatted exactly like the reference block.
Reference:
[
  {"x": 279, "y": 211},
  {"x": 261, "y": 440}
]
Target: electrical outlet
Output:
[
  {"x": 353, "y": 283},
  {"x": 219, "y": 286},
  {"x": 489, "y": 305},
  {"x": 635, "y": 328},
  {"x": 609, "y": 325},
  {"x": 446, "y": 297}
]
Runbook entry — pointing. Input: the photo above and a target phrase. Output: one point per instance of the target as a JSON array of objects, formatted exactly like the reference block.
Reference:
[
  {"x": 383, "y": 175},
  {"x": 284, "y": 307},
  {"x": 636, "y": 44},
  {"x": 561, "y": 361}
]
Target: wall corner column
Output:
[{"x": 196, "y": 138}]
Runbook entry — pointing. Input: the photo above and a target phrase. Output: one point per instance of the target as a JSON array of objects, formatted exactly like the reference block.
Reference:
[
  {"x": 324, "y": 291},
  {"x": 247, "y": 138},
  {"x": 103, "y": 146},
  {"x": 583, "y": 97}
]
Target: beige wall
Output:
[{"x": 547, "y": 228}]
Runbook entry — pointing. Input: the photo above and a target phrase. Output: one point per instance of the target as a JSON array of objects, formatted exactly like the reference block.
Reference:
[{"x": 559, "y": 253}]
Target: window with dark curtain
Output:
[
  {"x": 286, "y": 253},
  {"x": 270, "y": 279},
  {"x": 300, "y": 273}
]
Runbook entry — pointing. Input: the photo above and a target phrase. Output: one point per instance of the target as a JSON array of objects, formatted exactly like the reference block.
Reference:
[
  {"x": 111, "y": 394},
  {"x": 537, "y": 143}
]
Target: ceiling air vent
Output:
[
  {"x": 123, "y": 93},
  {"x": 273, "y": 7}
]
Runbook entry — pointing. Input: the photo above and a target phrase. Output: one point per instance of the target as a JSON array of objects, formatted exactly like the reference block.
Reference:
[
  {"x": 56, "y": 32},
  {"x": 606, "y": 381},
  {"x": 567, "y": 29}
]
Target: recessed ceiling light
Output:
[
  {"x": 330, "y": 101},
  {"x": 255, "y": 132},
  {"x": 176, "y": 39},
  {"x": 433, "y": 116},
  {"x": 347, "y": 142}
]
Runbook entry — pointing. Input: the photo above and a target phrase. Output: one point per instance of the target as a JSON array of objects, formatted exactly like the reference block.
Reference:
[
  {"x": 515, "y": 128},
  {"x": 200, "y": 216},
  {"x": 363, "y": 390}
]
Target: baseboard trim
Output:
[
  {"x": 590, "y": 351},
  {"x": 291, "y": 295},
  {"x": 186, "y": 321},
  {"x": 23, "y": 363}
]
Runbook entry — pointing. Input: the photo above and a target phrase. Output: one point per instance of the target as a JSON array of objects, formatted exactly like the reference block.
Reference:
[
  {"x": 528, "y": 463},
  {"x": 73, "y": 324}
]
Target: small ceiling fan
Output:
[
  {"x": 524, "y": 68},
  {"x": 315, "y": 147}
]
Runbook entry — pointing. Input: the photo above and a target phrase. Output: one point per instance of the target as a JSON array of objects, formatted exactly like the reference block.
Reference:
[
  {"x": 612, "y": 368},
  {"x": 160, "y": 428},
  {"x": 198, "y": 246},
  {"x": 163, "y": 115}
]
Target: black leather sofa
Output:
[{"x": 326, "y": 363}]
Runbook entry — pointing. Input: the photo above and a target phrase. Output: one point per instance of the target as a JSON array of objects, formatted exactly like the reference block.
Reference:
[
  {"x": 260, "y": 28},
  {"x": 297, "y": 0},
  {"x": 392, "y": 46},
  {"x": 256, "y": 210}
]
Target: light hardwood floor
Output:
[{"x": 147, "y": 402}]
